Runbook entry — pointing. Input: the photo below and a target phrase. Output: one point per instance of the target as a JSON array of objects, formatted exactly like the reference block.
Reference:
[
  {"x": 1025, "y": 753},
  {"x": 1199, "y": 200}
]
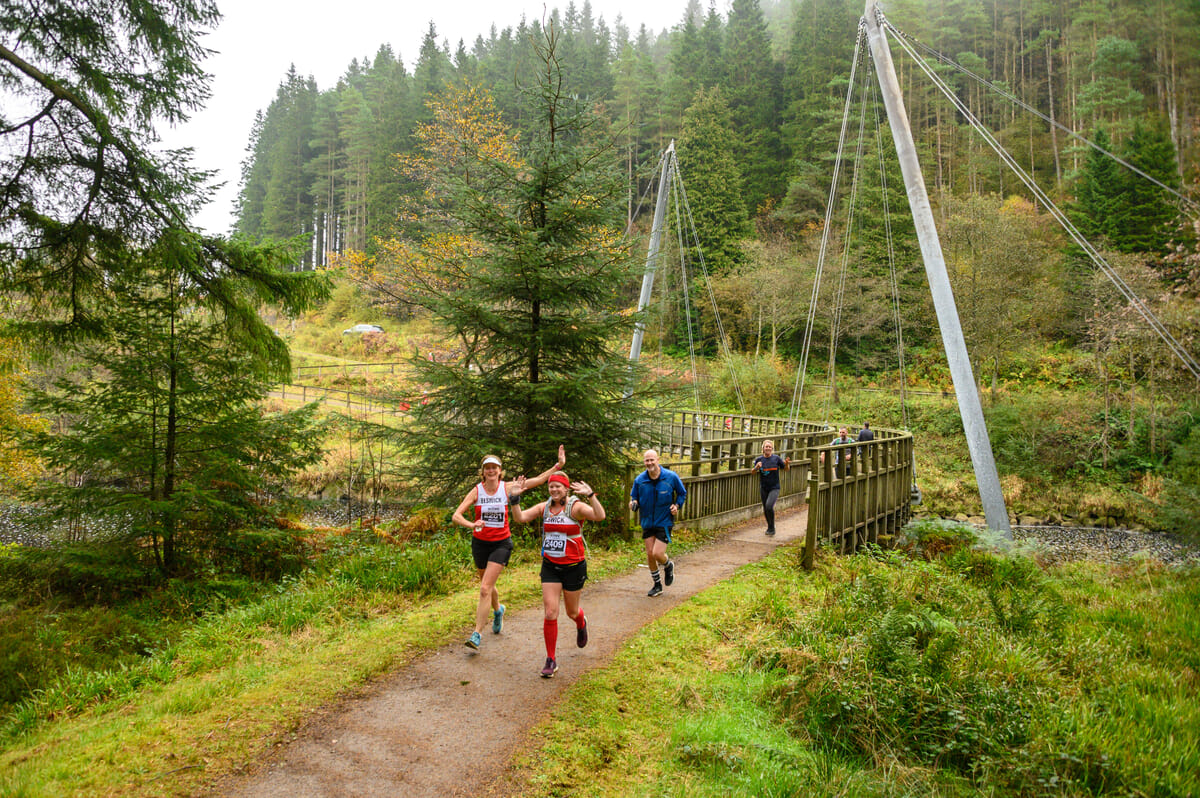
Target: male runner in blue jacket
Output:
[{"x": 658, "y": 495}]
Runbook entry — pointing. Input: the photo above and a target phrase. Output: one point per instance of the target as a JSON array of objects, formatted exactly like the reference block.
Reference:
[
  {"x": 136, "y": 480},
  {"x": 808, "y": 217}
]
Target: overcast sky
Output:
[{"x": 259, "y": 39}]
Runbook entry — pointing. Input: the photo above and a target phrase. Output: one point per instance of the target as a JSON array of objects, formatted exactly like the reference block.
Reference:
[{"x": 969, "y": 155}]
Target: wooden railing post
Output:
[{"x": 814, "y": 513}]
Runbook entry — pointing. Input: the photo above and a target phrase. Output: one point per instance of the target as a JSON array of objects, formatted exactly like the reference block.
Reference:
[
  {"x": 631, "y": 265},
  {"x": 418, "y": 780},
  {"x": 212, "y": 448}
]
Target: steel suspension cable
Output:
[
  {"x": 891, "y": 255},
  {"x": 1163, "y": 333},
  {"x": 835, "y": 329},
  {"x": 737, "y": 388},
  {"x": 802, "y": 368},
  {"x": 687, "y": 301}
]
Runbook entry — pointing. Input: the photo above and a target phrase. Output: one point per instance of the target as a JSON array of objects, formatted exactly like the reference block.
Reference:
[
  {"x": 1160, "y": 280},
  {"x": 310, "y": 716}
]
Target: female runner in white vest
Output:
[
  {"x": 491, "y": 541},
  {"x": 564, "y": 563}
]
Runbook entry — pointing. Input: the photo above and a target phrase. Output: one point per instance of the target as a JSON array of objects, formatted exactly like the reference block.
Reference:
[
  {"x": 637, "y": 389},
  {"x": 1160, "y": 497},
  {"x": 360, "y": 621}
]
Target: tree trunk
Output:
[
  {"x": 1053, "y": 119},
  {"x": 169, "y": 455}
]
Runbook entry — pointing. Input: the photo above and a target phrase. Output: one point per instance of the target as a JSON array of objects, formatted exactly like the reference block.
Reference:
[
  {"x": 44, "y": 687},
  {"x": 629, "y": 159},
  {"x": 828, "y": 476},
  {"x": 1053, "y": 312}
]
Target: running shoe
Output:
[
  {"x": 771, "y": 532},
  {"x": 669, "y": 572},
  {"x": 474, "y": 641},
  {"x": 655, "y": 591},
  {"x": 498, "y": 620},
  {"x": 550, "y": 668},
  {"x": 581, "y": 635}
]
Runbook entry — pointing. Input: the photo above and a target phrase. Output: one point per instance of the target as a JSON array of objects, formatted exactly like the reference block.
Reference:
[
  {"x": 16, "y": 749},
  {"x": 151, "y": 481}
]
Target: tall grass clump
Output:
[
  {"x": 983, "y": 669},
  {"x": 419, "y": 568}
]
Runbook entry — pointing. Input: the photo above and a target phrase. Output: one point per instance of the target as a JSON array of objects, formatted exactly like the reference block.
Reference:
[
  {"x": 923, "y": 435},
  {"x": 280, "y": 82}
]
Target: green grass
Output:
[
  {"x": 241, "y": 679},
  {"x": 886, "y": 675}
]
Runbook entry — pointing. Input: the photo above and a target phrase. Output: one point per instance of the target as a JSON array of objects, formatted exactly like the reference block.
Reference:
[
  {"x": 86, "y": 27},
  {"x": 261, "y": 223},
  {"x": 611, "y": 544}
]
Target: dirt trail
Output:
[{"x": 448, "y": 723}]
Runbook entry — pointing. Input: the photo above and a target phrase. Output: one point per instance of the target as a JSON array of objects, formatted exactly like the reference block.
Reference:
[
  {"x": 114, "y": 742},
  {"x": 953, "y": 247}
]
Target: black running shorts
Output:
[
  {"x": 571, "y": 576},
  {"x": 657, "y": 532},
  {"x": 486, "y": 551}
]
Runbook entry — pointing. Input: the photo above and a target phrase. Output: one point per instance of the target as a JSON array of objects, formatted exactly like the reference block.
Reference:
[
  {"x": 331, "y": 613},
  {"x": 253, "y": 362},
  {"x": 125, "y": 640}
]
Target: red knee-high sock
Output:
[
  {"x": 580, "y": 621},
  {"x": 550, "y": 631}
]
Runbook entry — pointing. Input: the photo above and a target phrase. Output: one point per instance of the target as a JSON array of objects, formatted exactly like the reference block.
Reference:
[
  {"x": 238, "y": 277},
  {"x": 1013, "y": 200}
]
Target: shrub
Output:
[
  {"x": 1179, "y": 508},
  {"x": 423, "y": 569},
  {"x": 82, "y": 573},
  {"x": 934, "y": 537}
]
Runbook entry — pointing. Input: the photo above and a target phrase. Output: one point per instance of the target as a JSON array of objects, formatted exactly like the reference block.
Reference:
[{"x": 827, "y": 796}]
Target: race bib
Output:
[
  {"x": 493, "y": 517},
  {"x": 554, "y": 544}
]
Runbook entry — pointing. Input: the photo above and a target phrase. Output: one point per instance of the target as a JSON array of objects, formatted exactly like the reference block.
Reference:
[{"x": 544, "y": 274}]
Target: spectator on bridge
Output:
[
  {"x": 564, "y": 563},
  {"x": 767, "y": 465},
  {"x": 865, "y": 434},
  {"x": 657, "y": 496},
  {"x": 841, "y": 455},
  {"x": 491, "y": 542}
]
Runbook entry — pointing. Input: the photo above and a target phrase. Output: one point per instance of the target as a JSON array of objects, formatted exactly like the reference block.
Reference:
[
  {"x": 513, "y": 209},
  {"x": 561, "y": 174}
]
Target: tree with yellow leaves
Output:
[{"x": 18, "y": 466}]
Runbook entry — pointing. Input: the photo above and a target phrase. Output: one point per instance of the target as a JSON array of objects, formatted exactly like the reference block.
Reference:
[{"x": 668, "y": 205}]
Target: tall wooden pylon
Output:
[{"x": 969, "y": 406}]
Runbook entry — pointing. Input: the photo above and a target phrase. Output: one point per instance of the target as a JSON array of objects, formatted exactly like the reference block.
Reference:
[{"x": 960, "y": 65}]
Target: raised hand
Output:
[
  {"x": 562, "y": 456},
  {"x": 520, "y": 485}
]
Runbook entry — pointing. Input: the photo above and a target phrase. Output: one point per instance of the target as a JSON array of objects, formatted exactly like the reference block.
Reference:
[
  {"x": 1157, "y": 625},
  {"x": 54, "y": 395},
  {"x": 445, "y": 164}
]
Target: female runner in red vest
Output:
[
  {"x": 491, "y": 542},
  {"x": 564, "y": 563}
]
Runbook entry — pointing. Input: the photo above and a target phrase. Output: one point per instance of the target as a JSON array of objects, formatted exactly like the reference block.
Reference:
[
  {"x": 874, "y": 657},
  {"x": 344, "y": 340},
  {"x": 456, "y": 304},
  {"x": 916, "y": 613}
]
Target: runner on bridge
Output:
[{"x": 767, "y": 465}]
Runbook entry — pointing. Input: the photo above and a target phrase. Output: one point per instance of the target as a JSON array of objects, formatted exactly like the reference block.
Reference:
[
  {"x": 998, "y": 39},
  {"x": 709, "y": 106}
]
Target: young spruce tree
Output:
[
  {"x": 166, "y": 434},
  {"x": 525, "y": 268}
]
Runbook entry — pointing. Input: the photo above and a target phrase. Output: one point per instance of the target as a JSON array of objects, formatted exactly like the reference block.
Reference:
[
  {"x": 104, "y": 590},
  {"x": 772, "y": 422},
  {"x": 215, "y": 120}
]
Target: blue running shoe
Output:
[
  {"x": 498, "y": 620},
  {"x": 474, "y": 641}
]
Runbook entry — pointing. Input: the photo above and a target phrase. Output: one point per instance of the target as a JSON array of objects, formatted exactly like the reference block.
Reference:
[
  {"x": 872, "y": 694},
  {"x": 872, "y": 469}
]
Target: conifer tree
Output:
[
  {"x": 82, "y": 182},
  {"x": 715, "y": 189},
  {"x": 1146, "y": 224},
  {"x": 1099, "y": 194},
  {"x": 527, "y": 267},
  {"x": 168, "y": 436},
  {"x": 752, "y": 87}
]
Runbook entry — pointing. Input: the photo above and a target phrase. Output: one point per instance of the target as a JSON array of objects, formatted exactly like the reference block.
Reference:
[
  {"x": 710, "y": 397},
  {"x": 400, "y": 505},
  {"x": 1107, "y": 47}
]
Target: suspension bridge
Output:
[
  {"x": 868, "y": 502},
  {"x": 872, "y": 498}
]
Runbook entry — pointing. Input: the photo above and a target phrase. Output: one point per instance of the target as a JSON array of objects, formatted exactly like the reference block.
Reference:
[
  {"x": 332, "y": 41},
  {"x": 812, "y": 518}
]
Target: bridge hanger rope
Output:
[
  {"x": 1163, "y": 333},
  {"x": 687, "y": 302},
  {"x": 894, "y": 279},
  {"x": 950, "y": 62},
  {"x": 684, "y": 211},
  {"x": 851, "y": 208},
  {"x": 802, "y": 367}
]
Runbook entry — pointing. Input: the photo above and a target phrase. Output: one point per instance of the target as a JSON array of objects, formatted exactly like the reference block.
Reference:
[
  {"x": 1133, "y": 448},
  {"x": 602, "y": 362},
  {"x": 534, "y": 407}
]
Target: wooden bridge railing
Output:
[
  {"x": 338, "y": 397},
  {"x": 713, "y": 454},
  {"x": 863, "y": 497},
  {"x": 867, "y": 500}
]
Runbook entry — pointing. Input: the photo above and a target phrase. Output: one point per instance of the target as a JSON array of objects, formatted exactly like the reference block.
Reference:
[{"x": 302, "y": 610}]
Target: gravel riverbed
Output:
[{"x": 1066, "y": 544}]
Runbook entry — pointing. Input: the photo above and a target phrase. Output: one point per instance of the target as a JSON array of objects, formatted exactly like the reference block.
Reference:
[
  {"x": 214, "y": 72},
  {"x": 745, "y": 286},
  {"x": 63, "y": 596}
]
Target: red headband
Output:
[{"x": 561, "y": 479}]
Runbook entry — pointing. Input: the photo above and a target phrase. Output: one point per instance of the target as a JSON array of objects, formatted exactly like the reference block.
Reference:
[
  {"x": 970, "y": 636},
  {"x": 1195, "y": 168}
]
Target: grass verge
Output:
[
  {"x": 241, "y": 681},
  {"x": 977, "y": 673}
]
